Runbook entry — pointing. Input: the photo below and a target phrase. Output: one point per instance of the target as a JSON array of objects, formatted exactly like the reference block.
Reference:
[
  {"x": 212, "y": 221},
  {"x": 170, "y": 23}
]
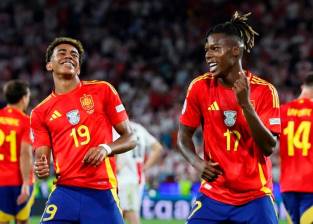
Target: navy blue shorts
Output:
[
  {"x": 69, "y": 205},
  {"x": 299, "y": 206},
  {"x": 9, "y": 210},
  {"x": 209, "y": 211}
]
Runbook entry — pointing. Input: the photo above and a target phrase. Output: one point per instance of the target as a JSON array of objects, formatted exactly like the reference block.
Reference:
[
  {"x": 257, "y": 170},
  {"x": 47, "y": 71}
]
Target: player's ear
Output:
[
  {"x": 49, "y": 66},
  {"x": 236, "y": 51}
]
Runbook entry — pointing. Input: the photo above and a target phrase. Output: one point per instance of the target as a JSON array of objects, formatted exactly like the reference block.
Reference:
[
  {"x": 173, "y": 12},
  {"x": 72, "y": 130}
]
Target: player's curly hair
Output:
[
  {"x": 65, "y": 40},
  {"x": 14, "y": 90},
  {"x": 238, "y": 27}
]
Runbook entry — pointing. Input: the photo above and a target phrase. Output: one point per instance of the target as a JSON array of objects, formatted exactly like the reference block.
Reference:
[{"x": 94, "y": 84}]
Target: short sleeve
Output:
[
  {"x": 191, "y": 115},
  {"x": 268, "y": 109},
  {"x": 26, "y": 131},
  {"x": 113, "y": 106},
  {"x": 39, "y": 133}
]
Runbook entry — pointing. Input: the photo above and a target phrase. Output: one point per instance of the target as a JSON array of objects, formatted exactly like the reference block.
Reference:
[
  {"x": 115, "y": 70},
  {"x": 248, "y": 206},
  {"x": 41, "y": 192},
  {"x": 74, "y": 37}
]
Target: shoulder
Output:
[
  {"x": 263, "y": 84},
  {"x": 199, "y": 81},
  {"x": 99, "y": 84},
  {"x": 43, "y": 103}
]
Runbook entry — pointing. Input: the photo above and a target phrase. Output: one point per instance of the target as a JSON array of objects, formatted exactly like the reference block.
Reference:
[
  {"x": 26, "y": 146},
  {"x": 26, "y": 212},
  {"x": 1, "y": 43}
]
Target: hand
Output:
[
  {"x": 95, "y": 156},
  {"x": 42, "y": 168},
  {"x": 242, "y": 89},
  {"x": 209, "y": 170},
  {"x": 25, "y": 193}
]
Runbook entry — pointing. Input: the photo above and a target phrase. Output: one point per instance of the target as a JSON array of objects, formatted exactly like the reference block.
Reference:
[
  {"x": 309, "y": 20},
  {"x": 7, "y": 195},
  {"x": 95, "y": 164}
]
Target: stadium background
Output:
[{"x": 150, "y": 50}]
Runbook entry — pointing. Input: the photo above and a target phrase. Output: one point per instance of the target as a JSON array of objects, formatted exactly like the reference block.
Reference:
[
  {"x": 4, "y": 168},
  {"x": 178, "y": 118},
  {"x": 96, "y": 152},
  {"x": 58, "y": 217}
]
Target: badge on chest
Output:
[
  {"x": 73, "y": 117},
  {"x": 230, "y": 118}
]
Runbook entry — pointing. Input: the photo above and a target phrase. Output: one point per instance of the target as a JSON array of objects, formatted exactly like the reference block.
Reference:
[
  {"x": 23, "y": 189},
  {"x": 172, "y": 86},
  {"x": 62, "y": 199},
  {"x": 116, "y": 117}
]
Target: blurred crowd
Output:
[{"x": 150, "y": 50}]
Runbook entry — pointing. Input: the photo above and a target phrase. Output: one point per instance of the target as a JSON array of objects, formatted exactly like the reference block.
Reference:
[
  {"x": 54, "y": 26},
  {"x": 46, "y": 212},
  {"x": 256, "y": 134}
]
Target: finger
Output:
[
  {"x": 86, "y": 157},
  {"x": 43, "y": 158},
  {"x": 21, "y": 199},
  {"x": 101, "y": 158}
]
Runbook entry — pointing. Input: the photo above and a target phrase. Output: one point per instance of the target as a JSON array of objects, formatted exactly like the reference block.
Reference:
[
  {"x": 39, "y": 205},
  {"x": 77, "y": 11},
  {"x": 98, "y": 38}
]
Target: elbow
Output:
[{"x": 268, "y": 149}]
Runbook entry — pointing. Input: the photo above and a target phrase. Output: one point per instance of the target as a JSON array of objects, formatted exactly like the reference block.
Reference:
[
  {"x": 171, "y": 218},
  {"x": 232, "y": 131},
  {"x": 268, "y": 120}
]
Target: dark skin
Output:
[
  {"x": 224, "y": 56},
  {"x": 65, "y": 68}
]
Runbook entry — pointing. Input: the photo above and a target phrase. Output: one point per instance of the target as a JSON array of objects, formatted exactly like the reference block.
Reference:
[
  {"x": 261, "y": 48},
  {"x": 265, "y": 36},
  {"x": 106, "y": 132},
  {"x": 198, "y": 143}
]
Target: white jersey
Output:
[{"x": 130, "y": 164}]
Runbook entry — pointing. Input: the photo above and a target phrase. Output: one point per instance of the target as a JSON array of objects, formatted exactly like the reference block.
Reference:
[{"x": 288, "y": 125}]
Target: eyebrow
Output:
[{"x": 63, "y": 49}]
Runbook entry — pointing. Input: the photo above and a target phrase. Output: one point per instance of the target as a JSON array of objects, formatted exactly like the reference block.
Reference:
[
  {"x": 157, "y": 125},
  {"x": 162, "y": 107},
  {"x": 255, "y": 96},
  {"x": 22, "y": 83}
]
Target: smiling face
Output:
[
  {"x": 64, "y": 61},
  {"x": 222, "y": 53}
]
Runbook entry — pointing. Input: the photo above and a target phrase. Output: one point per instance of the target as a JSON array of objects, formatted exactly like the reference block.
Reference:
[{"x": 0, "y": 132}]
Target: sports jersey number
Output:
[
  {"x": 50, "y": 210},
  {"x": 228, "y": 134},
  {"x": 298, "y": 138},
  {"x": 81, "y": 135},
  {"x": 11, "y": 138}
]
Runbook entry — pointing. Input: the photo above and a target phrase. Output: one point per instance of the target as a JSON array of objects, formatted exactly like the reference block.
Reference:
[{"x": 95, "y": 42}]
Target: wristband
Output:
[{"x": 107, "y": 148}]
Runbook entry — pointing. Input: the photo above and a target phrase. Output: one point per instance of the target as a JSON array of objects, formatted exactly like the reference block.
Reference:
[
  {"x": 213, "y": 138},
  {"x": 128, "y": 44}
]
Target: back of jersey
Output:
[
  {"x": 130, "y": 164},
  {"x": 14, "y": 128},
  {"x": 296, "y": 146}
]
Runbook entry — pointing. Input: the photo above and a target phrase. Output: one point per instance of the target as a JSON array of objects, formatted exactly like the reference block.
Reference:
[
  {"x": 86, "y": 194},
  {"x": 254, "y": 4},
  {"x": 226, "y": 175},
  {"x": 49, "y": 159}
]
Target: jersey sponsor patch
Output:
[
  {"x": 274, "y": 121},
  {"x": 119, "y": 108}
]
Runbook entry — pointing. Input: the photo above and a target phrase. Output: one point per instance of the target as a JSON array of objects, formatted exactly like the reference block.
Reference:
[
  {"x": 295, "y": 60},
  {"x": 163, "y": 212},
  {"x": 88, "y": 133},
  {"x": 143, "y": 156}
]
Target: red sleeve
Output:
[
  {"x": 268, "y": 109},
  {"x": 26, "y": 132},
  {"x": 40, "y": 135},
  {"x": 114, "y": 107},
  {"x": 191, "y": 115}
]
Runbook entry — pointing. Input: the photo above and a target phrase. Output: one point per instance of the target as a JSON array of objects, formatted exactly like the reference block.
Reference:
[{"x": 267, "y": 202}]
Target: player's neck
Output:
[
  {"x": 18, "y": 106},
  {"x": 306, "y": 93},
  {"x": 63, "y": 86},
  {"x": 229, "y": 79}
]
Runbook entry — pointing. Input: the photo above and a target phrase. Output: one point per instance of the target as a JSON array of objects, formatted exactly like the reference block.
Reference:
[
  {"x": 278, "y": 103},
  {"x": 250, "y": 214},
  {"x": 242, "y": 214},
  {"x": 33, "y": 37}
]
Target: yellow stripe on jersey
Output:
[
  {"x": 265, "y": 189},
  {"x": 111, "y": 175},
  {"x": 307, "y": 216},
  {"x": 205, "y": 76},
  {"x": 116, "y": 199},
  {"x": 101, "y": 82},
  {"x": 25, "y": 212},
  {"x": 256, "y": 80}
]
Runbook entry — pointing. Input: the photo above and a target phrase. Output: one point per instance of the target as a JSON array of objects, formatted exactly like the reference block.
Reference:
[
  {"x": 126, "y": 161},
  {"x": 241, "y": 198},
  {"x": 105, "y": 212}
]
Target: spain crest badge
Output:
[{"x": 87, "y": 103}]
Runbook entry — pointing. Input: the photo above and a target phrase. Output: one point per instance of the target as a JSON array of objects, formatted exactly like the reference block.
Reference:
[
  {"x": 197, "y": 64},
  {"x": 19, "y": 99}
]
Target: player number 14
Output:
[
  {"x": 81, "y": 135},
  {"x": 298, "y": 137}
]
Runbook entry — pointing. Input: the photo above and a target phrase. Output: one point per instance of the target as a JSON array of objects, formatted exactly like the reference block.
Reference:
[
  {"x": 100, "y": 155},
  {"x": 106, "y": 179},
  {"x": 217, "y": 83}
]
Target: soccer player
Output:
[
  {"x": 130, "y": 175},
  {"x": 239, "y": 116},
  {"x": 74, "y": 123},
  {"x": 296, "y": 154},
  {"x": 16, "y": 179}
]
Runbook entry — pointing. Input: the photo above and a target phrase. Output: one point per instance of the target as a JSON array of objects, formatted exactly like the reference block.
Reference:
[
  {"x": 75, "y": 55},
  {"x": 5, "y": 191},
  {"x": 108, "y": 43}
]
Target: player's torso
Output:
[
  {"x": 296, "y": 145},
  {"x": 228, "y": 141},
  {"x": 77, "y": 122},
  {"x": 133, "y": 160},
  {"x": 12, "y": 128}
]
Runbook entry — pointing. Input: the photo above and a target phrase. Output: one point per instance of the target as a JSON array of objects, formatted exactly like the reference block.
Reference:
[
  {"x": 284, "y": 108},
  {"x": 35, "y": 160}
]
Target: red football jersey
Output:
[
  {"x": 227, "y": 137},
  {"x": 296, "y": 146},
  {"x": 14, "y": 128},
  {"x": 74, "y": 122}
]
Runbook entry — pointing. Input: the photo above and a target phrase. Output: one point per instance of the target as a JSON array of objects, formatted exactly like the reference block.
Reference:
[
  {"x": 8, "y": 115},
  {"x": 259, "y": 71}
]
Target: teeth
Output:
[{"x": 212, "y": 64}]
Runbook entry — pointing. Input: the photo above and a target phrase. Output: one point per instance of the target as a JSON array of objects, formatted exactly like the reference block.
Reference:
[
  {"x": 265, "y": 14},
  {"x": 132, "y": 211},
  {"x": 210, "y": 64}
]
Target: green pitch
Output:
[{"x": 35, "y": 220}]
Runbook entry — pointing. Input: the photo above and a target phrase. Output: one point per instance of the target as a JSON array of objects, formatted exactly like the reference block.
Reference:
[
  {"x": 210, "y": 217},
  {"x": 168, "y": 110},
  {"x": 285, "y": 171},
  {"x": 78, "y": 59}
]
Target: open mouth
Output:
[{"x": 212, "y": 66}]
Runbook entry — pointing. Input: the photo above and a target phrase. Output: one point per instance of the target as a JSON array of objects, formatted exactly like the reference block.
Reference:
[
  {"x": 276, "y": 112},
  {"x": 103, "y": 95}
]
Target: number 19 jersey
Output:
[
  {"x": 72, "y": 123},
  {"x": 296, "y": 146},
  {"x": 227, "y": 136}
]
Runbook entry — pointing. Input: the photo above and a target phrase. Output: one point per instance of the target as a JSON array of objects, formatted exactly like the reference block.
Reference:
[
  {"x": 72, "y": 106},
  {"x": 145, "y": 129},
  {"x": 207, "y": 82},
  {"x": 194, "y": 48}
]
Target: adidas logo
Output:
[
  {"x": 56, "y": 114},
  {"x": 214, "y": 106}
]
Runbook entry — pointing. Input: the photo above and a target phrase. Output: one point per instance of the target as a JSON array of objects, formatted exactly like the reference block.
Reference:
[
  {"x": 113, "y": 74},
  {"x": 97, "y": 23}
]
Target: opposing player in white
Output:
[{"x": 130, "y": 167}]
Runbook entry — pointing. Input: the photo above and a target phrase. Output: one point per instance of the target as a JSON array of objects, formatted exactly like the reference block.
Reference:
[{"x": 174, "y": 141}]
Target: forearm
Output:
[
  {"x": 187, "y": 149},
  {"x": 261, "y": 135},
  {"x": 124, "y": 143},
  {"x": 26, "y": 163},
  {"x": 155, "y": 156}
]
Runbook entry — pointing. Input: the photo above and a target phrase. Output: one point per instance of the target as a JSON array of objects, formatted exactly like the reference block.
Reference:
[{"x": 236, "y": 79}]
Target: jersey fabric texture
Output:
[
  {"x": 227, "y": 137},
  {"x": 14, "y": 129},
  {"x": 296, "y": 146},
  {"x": 74, "y": 122}
]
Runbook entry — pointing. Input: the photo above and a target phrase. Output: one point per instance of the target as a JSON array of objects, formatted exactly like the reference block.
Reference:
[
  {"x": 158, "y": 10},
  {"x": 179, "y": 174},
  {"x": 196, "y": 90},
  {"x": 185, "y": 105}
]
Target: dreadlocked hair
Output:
[{"x": 239, "y": 27}]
